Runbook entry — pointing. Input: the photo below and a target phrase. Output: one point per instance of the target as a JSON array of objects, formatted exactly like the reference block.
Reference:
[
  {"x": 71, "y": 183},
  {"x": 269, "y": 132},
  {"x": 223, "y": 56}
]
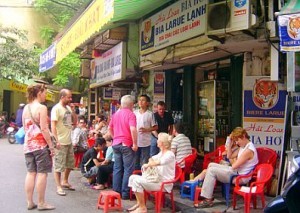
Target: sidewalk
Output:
[{"x": 182, "y": 205}]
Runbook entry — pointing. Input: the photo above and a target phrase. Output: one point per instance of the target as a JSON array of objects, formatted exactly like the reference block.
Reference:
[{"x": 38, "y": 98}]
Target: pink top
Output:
[
  {"x": 120, "y": 124},
  {"x": 34, "y": 139}
]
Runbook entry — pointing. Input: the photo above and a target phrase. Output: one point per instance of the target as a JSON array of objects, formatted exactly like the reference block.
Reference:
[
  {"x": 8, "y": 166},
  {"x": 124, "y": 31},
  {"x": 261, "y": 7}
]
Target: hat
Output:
[{"x": 21, "y": 105}]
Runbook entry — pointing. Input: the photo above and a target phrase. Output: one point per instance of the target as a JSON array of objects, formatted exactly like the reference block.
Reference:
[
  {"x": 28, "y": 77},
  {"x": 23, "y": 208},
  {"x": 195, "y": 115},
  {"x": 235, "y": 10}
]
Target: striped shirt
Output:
[{"x": 183, "y": 147}]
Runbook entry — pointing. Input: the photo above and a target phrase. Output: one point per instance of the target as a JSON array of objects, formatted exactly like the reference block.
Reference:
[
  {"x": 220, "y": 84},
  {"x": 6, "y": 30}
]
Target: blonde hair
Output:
[
  {"x": 165, "y": 139},
  {"x": 239, "y": 132}
]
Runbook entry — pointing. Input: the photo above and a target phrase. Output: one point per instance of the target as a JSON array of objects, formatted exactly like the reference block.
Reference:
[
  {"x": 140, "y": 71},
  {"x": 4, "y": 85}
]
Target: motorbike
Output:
[
  {"x": 11, "y": 131},
  {"x": 288, "y": 201}
]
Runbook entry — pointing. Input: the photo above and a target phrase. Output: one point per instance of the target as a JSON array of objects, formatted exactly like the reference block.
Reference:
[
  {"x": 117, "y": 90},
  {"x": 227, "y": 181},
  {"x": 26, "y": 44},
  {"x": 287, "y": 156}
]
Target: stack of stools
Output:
[
  {"x": 188, "y": 189},
  {"x": 109, "y": 200}
]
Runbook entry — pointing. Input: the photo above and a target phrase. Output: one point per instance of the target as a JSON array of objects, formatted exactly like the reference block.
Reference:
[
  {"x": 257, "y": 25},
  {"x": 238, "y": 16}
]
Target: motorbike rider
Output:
[{"x": 19, "y": 115}]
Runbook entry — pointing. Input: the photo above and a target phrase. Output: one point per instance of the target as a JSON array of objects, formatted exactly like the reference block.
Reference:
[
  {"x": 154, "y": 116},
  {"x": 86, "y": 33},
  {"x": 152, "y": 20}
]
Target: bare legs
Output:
[
  {"x": 59, "y": 183},
  {"x": 140, "y": 202},
  {"x": 40, "y": 179},
  {"x": 29, "y": 187}
]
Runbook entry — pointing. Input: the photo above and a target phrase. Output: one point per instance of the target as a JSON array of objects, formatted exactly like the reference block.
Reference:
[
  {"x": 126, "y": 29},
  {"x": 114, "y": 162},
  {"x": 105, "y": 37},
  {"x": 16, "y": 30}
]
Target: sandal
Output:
[
  {"x": 68, "y": 187},
  {"x": 61, "y": 192},
  {"x": 133, "y": 208},
  {"x": 206, "y": 203},
  {"x": 33, "y": 206},
  {"x": 45, "y": 206},
  {"x": 98, "y": 187}
]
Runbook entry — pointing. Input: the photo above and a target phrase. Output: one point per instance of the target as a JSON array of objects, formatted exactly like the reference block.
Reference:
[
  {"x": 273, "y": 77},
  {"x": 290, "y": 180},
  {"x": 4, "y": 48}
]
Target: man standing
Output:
[
  {"x": 62, "y": 121},
  {"x": 122, "y": 128},
  {"x": 165, "y": 123},
  {"x": 146, "y": 123},
  {"x": 19, "y": 115}
]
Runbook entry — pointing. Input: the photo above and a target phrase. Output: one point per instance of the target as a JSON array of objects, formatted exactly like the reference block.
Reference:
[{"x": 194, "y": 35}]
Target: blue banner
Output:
[
  {"x": 289, "y": 32},
  {"x": 47, "y": 58}
]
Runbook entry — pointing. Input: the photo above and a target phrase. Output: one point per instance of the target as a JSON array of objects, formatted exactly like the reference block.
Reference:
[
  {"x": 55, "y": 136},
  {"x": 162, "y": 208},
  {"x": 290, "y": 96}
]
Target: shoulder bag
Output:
[
  {"x": 53, "y": 139},
  {"x": 151, "y": 174}
]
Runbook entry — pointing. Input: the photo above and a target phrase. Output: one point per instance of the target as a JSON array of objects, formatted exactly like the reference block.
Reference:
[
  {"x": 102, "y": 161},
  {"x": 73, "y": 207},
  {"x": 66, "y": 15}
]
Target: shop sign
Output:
[
  {"x": 289, "y": 32},
  {"x": 47, "y": 59},
  {"x": 110, "y": 67},
  {"x": 264, "y": 111},
  {"x": 182, "y": 20},
  {"x": 91, "y": 21},
  {"x": 111, "y": 93},
  {"x": 15, "y": 86}
]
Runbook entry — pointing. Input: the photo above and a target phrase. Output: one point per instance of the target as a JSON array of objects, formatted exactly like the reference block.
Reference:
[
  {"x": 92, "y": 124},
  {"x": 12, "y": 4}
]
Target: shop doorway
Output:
[{"x": 6, "y": 102}]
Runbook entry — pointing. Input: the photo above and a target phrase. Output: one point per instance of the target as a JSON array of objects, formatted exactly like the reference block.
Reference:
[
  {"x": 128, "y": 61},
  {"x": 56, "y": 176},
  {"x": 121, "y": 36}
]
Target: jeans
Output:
[
  {"x": 141, "y": 157},
  {"x": 123, "y": 168},
  {"x": 154, "y": 150},
  {"x": 92, "y": 172}
]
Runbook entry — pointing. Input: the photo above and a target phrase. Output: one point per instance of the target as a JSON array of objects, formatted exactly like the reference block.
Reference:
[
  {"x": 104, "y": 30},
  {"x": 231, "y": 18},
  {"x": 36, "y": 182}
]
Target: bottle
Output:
[{"x": 192, "y": 176}]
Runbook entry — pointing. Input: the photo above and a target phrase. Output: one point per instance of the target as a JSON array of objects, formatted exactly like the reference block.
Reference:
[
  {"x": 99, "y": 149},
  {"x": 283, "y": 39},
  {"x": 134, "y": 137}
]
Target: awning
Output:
[
  {"x": 102, "y": 15},
  {"x": 292, "y": 6}
]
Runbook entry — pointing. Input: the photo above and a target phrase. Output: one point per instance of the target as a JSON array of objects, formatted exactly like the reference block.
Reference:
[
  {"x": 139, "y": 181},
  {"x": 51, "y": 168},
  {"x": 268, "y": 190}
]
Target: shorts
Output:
[
  {"x": 64, "y": 158},
  {"x": 39, "y": 161}
]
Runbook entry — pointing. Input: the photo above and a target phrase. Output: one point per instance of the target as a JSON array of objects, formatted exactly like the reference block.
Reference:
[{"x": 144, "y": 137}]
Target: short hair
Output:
[
  {"x": 166, "y": 139},
  {"x": 99, "y": 142},
  {"x": 239, "y": 132},
  {"x": 161, "y": 103},
  {"x": 127, "y": 100},
  {"x": 179, "y": 127},
  {"x": 81, "y": 117},
  {"x": 63, "y": 93},
  {"x": 33, "y": 90},
  {"x": 147, "y": 97}
]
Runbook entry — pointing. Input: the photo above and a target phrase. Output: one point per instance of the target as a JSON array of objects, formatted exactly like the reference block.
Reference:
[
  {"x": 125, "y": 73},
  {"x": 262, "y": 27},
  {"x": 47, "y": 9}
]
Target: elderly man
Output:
[{"x": 122, "y": 128}]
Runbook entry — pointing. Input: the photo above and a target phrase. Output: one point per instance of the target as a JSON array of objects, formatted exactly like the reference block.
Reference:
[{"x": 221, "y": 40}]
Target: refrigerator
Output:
[{"x": 213, "y": 115}]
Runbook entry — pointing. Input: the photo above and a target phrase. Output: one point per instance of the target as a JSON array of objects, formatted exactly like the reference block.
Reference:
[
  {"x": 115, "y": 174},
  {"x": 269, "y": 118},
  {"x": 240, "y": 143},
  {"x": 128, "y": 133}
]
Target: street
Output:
[{"x": 12, "y": 192}]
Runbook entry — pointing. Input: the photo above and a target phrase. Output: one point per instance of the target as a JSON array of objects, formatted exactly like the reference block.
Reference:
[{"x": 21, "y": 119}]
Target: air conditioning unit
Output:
[
  {"x": 228, "y": 16},
  {"x": 85, "y": 69}
]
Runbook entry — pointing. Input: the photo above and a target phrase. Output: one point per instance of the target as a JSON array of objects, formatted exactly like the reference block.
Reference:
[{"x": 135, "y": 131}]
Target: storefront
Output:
[{"x": 199, "y": 58}]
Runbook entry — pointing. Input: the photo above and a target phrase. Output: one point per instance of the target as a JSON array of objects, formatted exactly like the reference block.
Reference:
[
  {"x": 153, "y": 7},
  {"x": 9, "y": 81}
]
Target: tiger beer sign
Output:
[
  {"x": 289, "y": 32},
  {"x": 264, "y": 111}
]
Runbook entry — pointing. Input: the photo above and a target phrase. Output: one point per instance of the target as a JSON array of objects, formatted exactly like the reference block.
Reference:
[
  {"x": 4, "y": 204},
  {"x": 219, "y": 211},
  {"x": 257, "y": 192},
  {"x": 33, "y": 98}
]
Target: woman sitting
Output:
[
  {"x": 165, "y": 163},
  {"x": 246, "y": 160}
]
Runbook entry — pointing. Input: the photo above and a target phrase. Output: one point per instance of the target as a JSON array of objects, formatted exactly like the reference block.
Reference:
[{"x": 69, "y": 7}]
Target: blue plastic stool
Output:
[{"x": 188, "y": 189}]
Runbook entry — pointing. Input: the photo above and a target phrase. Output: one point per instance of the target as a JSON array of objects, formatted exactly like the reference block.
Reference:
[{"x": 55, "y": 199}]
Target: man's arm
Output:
[{"x": 134, "y": 137}]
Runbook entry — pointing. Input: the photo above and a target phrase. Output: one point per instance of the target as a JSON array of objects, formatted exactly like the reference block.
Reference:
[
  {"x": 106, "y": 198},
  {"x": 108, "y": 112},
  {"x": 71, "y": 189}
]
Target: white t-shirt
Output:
[
  {"x": 166, "y": 169},
  {"x": 145, "y": 120},
  {"x": 250, "y": 164}
]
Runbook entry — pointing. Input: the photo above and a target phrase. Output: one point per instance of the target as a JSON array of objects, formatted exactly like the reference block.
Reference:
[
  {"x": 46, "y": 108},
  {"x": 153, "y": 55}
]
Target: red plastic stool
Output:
[
  {"x": 197, "y": 193},
  {"x": 106, "y": 200},
  {"x": 78, "y": 158}
]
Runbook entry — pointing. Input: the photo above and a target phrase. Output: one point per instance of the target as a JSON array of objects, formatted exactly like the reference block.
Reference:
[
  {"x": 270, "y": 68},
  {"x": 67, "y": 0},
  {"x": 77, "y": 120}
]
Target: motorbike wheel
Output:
[{"x": 11, "y": 138}]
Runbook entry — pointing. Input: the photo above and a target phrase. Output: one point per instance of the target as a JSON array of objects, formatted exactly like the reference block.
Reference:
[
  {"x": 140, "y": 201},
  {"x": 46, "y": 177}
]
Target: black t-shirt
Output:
[
  {"x": 163, "y": 123},
  {"x": 87, "y": 160}
]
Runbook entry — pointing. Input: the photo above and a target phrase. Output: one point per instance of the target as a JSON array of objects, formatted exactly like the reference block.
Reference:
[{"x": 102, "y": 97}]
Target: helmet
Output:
[{"x": 21, "y": 105}]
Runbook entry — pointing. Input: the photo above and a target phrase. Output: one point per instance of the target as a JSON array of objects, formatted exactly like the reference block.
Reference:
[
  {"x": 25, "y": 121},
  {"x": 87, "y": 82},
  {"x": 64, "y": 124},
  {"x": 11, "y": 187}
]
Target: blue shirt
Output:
[{"x": 19, "y": 117}]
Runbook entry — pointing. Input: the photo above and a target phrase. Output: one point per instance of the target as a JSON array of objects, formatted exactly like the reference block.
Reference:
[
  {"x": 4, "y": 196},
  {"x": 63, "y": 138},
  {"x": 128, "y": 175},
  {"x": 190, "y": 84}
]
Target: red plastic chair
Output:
[
  {"x": 91, "y": 142},
  {"x": 188, "y": 163},
  {"x": 261, "y": 175},
  {"x": 159, "y": 196},
  {"x": 269, "y": 156},
  {"x": 265, "y": 156},
  {"x": 215, "y": 156},
  {"x": 135, "y": 172}
]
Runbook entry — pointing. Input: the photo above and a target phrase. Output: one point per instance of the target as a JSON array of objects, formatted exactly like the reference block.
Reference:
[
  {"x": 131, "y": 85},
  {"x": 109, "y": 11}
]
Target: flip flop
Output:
[
  {"x": 207, "y": 203},
  {"x": 34, "y": 206},
  {"x": 61, "y": 192},
  {"x": 68, "y": 187},
  {"x": 133, "y": 208},
  {"x": 45, "y": 207}
]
